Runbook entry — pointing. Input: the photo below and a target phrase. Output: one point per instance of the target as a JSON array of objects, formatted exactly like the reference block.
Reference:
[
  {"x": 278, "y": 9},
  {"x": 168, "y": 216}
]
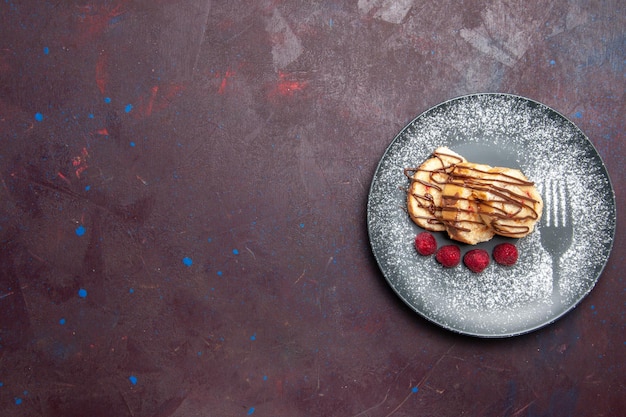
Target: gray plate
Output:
[{"x": 553, "y": 273}]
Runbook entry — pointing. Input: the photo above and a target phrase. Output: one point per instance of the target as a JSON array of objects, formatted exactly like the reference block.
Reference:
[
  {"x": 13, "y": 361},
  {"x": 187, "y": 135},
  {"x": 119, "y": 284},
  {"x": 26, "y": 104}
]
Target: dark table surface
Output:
[{"x": 184, "y": 200}]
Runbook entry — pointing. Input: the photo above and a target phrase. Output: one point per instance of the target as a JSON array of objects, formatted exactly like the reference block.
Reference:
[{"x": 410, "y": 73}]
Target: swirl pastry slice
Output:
[
  {"x": 508, "y": 202},
  {"x": 502, "y": 199},
  {"x": 461, "y": 211},
  {"x": 426, "y": 187}
]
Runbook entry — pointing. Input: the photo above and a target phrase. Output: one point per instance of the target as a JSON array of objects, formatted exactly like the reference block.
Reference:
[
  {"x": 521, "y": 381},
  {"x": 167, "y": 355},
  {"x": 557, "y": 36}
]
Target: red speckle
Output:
[
  {"x": 80, "y": 170},
  {"x": 80, "y": 158},
  {"x": 158, "y": 99},
  {"x": 80, "y": 162},
  {"x": 150, "y": 105},
  {"x": 229, "y": 73},
  {"x": 102, "y": 73},
  {"x": 287, "y": 85},
  {"x": 93, "y": 20},
  {"x": 64, "y": 178},
  {"x": 279, "y": 386},
  {"x": 103, "y": 132}
]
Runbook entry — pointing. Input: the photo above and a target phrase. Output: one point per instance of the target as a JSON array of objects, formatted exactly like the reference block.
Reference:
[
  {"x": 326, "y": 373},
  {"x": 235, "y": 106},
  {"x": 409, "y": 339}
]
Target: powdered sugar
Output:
[{"x": 499, "y": 130}]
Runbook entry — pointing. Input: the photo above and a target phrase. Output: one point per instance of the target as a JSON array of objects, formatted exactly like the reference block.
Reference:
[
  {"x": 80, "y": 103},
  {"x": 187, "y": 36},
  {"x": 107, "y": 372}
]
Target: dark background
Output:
[{"x": 201, "y": 169}]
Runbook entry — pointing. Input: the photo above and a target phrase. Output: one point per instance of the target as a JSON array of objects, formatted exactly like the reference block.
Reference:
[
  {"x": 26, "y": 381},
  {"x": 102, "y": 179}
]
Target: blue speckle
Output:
[
  {"x": 578, "y": 115},
  {"x": 132, "y": 290},
  {"x": 301, "y": 225},
  {"x": 128, "y": 108},
  {"x": 18, "y": 401},
  {"x": 80, "y": 230},
  {"x": 253, "y": 337},
  {"x": 91, "y": 116},
  {"x": 220, "y": 273},
  {"x": 38, "y": 117},
  {"x": 235, "y": 252},
  {"x": 593, "y": 307},
  {"x": 132, "y": 144},
  {"x": 133, "y": 379},
  {"x": 209, "y": 240},
  {"x": 2, "y": 383},
  {"x": 251, "y": 411},
  {"x": 199, "y": 353},
  {"x": 414, "y": 389},
  {"x": 187, "y": 261},
  {"x": 88, "y": 187},
  {"x": 552, "y": 62},
  {"x": 82, "y": 293},
  {"x": 115, "y": 20},
  {"x": 62, "y": 322},
  {"x": 46, "y": 50},
  {"x": 107, "y": 100},
  {"x": 265, "y": 376}
]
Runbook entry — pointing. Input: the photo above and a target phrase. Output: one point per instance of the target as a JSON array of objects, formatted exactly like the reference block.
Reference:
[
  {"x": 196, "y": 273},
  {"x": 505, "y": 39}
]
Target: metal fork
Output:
[{"x": 556, "y": 228}]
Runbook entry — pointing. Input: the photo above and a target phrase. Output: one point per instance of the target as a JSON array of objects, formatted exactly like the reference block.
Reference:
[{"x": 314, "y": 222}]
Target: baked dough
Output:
[
  {"x": 508, "y": 202},
  {"x": 471, "y": 202},
  {"x": 461, "y": 212},
  {"x": 425, "y": 190}
]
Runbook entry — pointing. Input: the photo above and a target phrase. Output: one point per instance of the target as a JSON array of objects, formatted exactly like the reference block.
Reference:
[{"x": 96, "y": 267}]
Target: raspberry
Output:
[
  {"x": 505, "y": 254},
  {"x": 425, "y": 244},
  {"x": 476, "y": 260},
  {"x": 449, "y": 256}
]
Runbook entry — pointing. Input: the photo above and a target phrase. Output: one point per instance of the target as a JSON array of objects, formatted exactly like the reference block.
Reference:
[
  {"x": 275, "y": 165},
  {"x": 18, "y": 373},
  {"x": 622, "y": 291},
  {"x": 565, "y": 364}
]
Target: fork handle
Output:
[{"x": 556, "y": 277}]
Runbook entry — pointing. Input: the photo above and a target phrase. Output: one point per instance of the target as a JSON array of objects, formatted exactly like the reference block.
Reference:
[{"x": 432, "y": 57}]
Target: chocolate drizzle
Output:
[
  {"x": 498, "y": 198},
  {"x": 437, "y": 180}
]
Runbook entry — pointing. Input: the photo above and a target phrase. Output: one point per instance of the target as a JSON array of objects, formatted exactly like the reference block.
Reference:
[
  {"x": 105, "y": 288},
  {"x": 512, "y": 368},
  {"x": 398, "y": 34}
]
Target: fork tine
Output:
[
  {"x": 549, "y": 203},
  {"x": 556, "y": 203},
  {"x": 555, "y": 194},
  {"x": 565, "y": 214}
]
